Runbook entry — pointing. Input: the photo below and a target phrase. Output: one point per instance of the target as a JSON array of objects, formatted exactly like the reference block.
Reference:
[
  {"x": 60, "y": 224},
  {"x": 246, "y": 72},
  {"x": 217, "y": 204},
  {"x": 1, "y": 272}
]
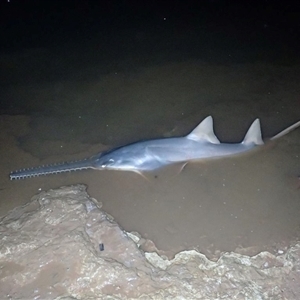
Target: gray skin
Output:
[
  {"x": 150, "y": 155},
  {"x": 154, "y": 154}
]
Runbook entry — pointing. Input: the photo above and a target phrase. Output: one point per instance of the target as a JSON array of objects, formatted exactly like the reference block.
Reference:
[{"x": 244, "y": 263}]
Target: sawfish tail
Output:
[{"x": 87, "y": 163}]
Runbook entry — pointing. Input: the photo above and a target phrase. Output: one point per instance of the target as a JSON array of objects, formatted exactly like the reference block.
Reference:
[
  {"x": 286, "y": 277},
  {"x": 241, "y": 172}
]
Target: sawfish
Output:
[{"x": 150, "y": 155}]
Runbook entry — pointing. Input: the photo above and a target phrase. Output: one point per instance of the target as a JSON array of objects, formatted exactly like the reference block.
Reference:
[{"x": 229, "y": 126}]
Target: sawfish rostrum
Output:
[{"x": 150, "y": 155}]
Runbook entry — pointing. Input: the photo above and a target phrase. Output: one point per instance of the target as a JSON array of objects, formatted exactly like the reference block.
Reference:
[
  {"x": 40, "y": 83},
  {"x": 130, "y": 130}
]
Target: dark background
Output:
[{"x": 37, "y": 23}]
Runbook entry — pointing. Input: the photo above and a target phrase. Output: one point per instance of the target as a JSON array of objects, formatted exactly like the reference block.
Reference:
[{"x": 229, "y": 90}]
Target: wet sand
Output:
[{"x": 67, "y": 108}]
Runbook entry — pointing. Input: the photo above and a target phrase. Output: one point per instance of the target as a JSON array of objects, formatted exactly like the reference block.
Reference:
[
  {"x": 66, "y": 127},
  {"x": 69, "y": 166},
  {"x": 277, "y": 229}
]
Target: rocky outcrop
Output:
[{"x": 61, "y": 245}]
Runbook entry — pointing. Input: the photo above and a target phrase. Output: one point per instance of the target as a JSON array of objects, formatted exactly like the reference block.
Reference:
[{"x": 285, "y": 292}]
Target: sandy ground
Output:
[{"x": 64, "y": 103}]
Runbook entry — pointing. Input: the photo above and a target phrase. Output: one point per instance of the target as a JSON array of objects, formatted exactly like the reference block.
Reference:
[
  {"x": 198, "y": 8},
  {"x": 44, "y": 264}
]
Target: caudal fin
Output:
[
  {"x": 286, "y": 131},
  {"x": 253, "y": 135}
]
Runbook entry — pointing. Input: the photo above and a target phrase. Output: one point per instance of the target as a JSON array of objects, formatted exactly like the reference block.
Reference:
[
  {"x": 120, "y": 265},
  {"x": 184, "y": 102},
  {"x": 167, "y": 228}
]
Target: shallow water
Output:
[{"x": 69, "y": 102}]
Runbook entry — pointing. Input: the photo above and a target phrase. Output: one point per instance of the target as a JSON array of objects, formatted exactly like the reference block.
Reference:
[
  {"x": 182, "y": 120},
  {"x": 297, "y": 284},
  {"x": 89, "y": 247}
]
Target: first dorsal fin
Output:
[{"x": 204, "y": 132}]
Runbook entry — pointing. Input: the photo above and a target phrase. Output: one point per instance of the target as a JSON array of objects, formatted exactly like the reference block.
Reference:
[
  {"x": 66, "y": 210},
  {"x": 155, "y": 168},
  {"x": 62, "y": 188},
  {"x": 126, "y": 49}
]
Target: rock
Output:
[{"x": 61, "y": 245}]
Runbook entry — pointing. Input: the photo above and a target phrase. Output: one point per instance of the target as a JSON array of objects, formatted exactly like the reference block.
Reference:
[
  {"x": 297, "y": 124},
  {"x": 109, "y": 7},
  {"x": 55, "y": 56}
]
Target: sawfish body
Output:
[{"x": 150, "y": 155}]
